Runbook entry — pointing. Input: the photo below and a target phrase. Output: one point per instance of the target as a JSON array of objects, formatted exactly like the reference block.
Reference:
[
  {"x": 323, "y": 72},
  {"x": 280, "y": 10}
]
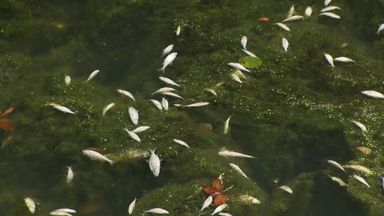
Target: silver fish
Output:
[
  {"x": 243, "y": 41},
  {"x": 67, "y": 80},
  {"x": 226, "y": 125},
  {"x": 236, "y": 77},
  {"x": 134, "y": 115},
  {"x": 249, "y": 53},
  {"x": 293, "y": 18},
  {"x": 168, "y": 60},
  {"x": 219, "y": 209},
  {"x": 69, "y": 175},
  {"x": 286, "y": 189},
  {"x": 224, "y": 214},
  {"x": 96, "y": 156},
  {"x": 291, "y": 11},
  {"x": 60, "y": 213},
  {"x": 178, "y": 30},
  {"x": 167, "y": 50},
  {"x": 362, "y": 180},
  {"x": 61, "y": 108},
  {"x": 168, "y": 81},
  {"x": 329, "y": 59},
  {"x": 327, "y": 2},
  {"x": 93, "y": 74},
  {"x": 133, "y": 135},
  {"x": 207, "y": 202},
  {"x": 330, "y": 8},
  {"x": 157, "y": 104},
  {"x": 247, "y": 199},
  {"x": 131, "y": 206},
  {"x": 308, "y": 11},
  {"x": 338, "y": 181},
  {"x": 239, "y": 66},
  {"x": 336, "y": 164},
  {"x": 283, "y": 26},
  {"x": 171, "y": 94},
  {"x": 163, "y": 89},
  {"x": 360, "y": 125},
  {"x": 227, "y": 153},
  {"x": 108, "y": 107},
  {"x": 181, "y": 142},
  {"x": 31, "y": 205},
  {"x": 238, "y": 169},
  {"x": 67, "y": 210},
  {"x": 212, "y": 91},
  {"x": 331, "y": 15},
  {"x": 140, "y": 129},
  {"x": 373, "y": 94},
  {"x": 126, "y": 93},
  {"x": 344, "y": 59},
  {"x": 164, "y": 103},
  {"x": 285, "y": 44},
  {"x": 198, "y": 104},
  {"x": 157, "y": 211},
  {"x": 154, "y": 163},
  {"x": 381, "y": 28}
]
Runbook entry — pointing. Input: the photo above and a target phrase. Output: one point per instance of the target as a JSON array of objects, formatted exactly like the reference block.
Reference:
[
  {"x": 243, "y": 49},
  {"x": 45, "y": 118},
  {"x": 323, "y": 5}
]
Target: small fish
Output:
[
  {"x": 360, "y": 125},
  {"x": 168, "y": 60},
  {"x": 243, "y": 41},
  {"x": 239, "y": 66},
  {"x": 249, "y": 53},
  {"x": 163, "y": 89},
  {"x": 154, "y": 163},
  {"x": 219, "y": 209},
  {"x": 330, "y": 8},
  {"x": 134, "y": 115},
  {"x": 327, "y": 2},
  {"x": 226, "y": 125},
  {"x": 167, "y": 50},
  {"x": 108, "y": 107},
  {"x": 338, "y": 180},
  {"x": 178, "y": 30},
  {"x": 293, "y": 18},
  {"x": 238, "y": 169},
  {"x": 62, "y": 108},
  {"x": 381, "y": 28},
  {"x": 308, "y": 11},
  {"x": 181, "y": 142},
  {"x": 285, "y": 44},
  {"x": 329, "y": 59},
  {"x": 198, "y": 104},
  {"x": 96, "y": 156},
  {"x": 291, "y": 11},
  {"x": 67, "y": 80},
  {"x": 374, "y": 94},
  {"x": 382, "y": 182},
  {"x": 344, "y": 59},
  {"x": 31, "y": 205},
  {"x": 131, "y": 206},
  {"x": 126, "y": 93},
  {"x": 92, "y": 75},
  {"x": 336, "y": 164},
  {"x": 164, "y": 103},
  {"x": 60, "y": 213},
  {"x": 227, "y": 153},
  {"x": 236, "y": 77},
  {"x": 157, "y": 104},
  {"x": 331, "y": 15},
  {"x": 263, "y": 19},
  {"x": 364, "y": 150},
  {"x": 66, "y": 210},
  {"x": 362, "y": 180},
  {"x": 283, "y": 26},
  {"x": 249, "y": 199},
  {"x": 171, "y": 94},
  {"x": 359, "y": 168},
  {"x": 286, "y": 189},
  {"x": 207, "y": 203},
  {"x": 224, "y": 214},
  {"x": 212, "y": 91},
  {"x": 69, "y": 175},
  {"x": 133, "y": 135},
  {"x": 168, "y": 81},
  {"x": 157, "y": 211},
  {"x": 140, "y": 129}
]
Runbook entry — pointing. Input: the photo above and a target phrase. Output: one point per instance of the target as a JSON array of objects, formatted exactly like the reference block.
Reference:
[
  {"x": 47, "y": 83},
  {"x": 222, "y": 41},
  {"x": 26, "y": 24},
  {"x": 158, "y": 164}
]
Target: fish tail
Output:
[
  {"x": 111, "y": 162},
  {"x": 162, "y": 69}
]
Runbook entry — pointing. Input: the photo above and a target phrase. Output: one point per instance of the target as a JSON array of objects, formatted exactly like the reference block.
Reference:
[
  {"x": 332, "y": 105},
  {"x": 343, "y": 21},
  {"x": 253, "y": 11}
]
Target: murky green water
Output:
[{"x": 293, "y": 112}]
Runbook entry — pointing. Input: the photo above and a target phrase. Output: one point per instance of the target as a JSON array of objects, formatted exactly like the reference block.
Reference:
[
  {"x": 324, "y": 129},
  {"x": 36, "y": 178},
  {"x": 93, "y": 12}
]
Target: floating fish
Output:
[
  {"x": 243, "y": 41},
  {"x": 108, "y": 107},
  {"x": 212, "y": 91},
  {"x": 157, "y": 211},
  {"x": 96, "y": 156},
  {"x": 62, "y": 108},
  {"x": 344, "y": 59},
  {"x": 291, "y": 11},
  {"x": 329, "y": 59},
  {"x": 224, "y": 214},
  {"x": 285, "y": 44},
  {"x": 31, "y": 205},
  {"x": 359, "y": 168},
  {"x": 207, "y": 203},
  {"x": 308, "y": 11},
  {"x": 293, "y": 18},
  {"x": 331, "y": 15},
  {"x": 364, "y": 150},
  {"x": 131, "y": 206},
  {"x": 236, "y": 77},
  {"x": 171, "y": 94},
  {"x": 330, "y": 8},
  {"x": 338, "y": 180},
  {"x": 219, "y": 209},
  {"x": 168, "y": 81},
  {"x": 164, "y": 103},
  {"x": 62, "y": 210},
  {"x": 163, "y": 89},
  {"x": 60, "y": 213},
  {"x": 181, "y": 142},
  {"x": 157, "y": 104},
  {"x": 140, "y": 129},
  {"x": 133, "y": 135},
  {"x": 92, "y": 75},
  {"x": 126, "y": 93},
  {"x": 154, "y": 163},
  {"x": 178, "y": 30},
  {"x": 249, "y": 53},
  {"x": 168, "y": 60},
  {"x": 239, "y": 66},
  {"x": 336, "y": 164},
  {"x": 238, "y": 169},
  {"x": 227, "y": 153},
  {"x": 249, "y": 199},
  {"x": 198, "y": 104},
  {"x": 167, "y": 50},
  {"x": 286, "y": 189},
  {"x": 67, "y": 80},
  {"x": 381, "y": 28},
  {"x": 374, "y": 94},
  {"x": 134, "y": 115},
  {"x": 327, "y": 2},
  {"x": 360, "y": 125},
  {"x": 362, "y": 180},
  {"x": 226, "y": 125},
  {"x": 283, "y": 26},
  {"x": 69, "y": 175}
]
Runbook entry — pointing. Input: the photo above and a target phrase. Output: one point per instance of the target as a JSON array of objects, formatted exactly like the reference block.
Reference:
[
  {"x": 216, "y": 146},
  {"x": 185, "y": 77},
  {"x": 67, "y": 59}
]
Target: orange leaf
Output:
[
  {"x": 217, "y": 184},
  {"x": 263, "y": 19},
  {"x": 6, "y": 124},
  {"x": 220, "y": 199},
  {"x": 210, "y": 190}
]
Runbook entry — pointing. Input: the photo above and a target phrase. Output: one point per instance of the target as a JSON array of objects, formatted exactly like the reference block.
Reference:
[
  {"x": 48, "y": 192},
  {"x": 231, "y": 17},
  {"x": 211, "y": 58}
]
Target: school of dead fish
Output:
[{"x": 154, "y": 161}]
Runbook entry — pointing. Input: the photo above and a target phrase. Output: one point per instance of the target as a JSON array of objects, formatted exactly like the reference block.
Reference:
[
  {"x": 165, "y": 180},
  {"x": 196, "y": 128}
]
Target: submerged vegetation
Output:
[{"x": 293, "y": 112}]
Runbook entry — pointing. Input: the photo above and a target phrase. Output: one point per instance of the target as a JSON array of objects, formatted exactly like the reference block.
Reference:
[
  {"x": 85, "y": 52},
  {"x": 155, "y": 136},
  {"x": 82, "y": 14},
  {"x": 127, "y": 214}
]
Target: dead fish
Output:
[
  {"x": 362, "y": 180},
  {"x": 285, "y": 44},
  {"x": 207, "y": 202},
  {"x": 364, "y": 150},
  {"x": 236, "y": 77},
  {"x": 212, "y": 91},
  {"x": 181, "y": 142},
  {"x": 330, "y": 8},
  {"x": 239, "y": 66},
  {"x": 171, "y": 94},
  {"x": 291, "y": 11},
  {"x": 247, "y": 199},
  {"x": 293, "y": 18},
  {"x": 198, "y": 104},
  {"x": 133, "y": 135},
  {"x": 31, "y": 205},
  {"x": 164, "y": 103},
  {"x": 168, "y": 60},
  {"x": 249, "y": 53},
  {"x": 66, "y": 210},
  {"x": 168, "y": 81},
  {"x": 243, "y": 41},
  {"x": 157, "y": 104},
  {"x": 338, "y": 180},
  {"x": 360, "y": 125},
  {"x": 327, "y": 2},
  {"x": 134, "y": 115},
  {"x": 154, "y": 163},
  {"x": 331, "y": 15},
  {"x": 308, "y": 11},
  {"x": 131, "y": 206},
  {"x": 381, "y": 28},
  {"x": 96, "y": 156},
  {"x": 374, "y": 94},
  {"x": 359, "y": 168},
  {"x": 92, "y": 75},
  {"x": 108, "y": 107},
  {"x": 283, "y": 26},
  {"x": 126, "y": 93},
  {"x": 163, "y": 89},
  {"x": 286, "y": 189},
  {"x": 238, "y": 169},
  {"x": 219, "y": 209},
  {"x": 60, "y": 213},
  {"x": 336, "y": 164},
  {"x": 62, "y": 108},
  {"x": 167, "y": 50},
  {"x": 67, "y": 80},
  {"x": 178, "y": 30},
  {"x": 329, "y": 59},
  {"x": 140, "y": 129},
  {"x": 224, "y": 214},
  {"x": 226, "y": 125},
  {"x": 344, "y": 59},
  {"x": 69, "y": 175},
  {"x": 157, "y": 211},
  {"x": 227, "y": 153}
]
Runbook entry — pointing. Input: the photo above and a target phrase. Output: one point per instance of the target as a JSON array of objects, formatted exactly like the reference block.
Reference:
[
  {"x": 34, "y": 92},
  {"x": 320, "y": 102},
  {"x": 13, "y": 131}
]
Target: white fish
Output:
[
  {"x": 336, "y": 164},
  {"x": 60, "y": 213},
  {"x": 198, "y": 104},
  {"x": 224, "y": 214},
  {"x": 134, "y": 115},
  {"x": 360, "y": 125},
  {"x": 168, "y": 60},
  {"x": 239, "y": 66},
  {"x": 131, "y": 206},
  {"x": 227, "y": 153},
  {"x": 154, "y": 163},
  {"x": 249, "y": 53},
  {"x": 163, "y": 89},
  {"x": 157, "y": 104},
  {"x": 212, "y": 91},
  {"x": 374, "y": 94},
  {"x": 140, "y": 129},
  {"x": 67, "y": 80},
  {"x": 157, "y": 211},
  {"x": 381, "y": 28},
  {"x": 168, "y": 81},
  {"x": 226, "y": 125},
  {"x": 285, "y": 44},
  {"x": 330, "y": 8},
  {"x": 286, "y": 189},
  {"x": 338, "y": 180},
  {"x": 308, "y": 11},
  {"x": 206, "y": 203},
  {"x": 181, "y": 142},
  {"x": 238, "y": 169},
  {"x": 236, "y": 77},
  {"x": 171, "y": 94},
  {"x": 108, "y": 107},
  {"x": 291, "y": 11},
  {"x": 245, "y": 198},
  {"x": 133, "y": 135},
  {"x": 167, "y": 50},
  {"x": 283, "y": 26},
  {"x": 96, "y": 156},
  {"x": 327, "y": 2},
  {"x": 31, "y": 205},
  {"x": 344, "y": 59},
  {"x": 69, "y": 175},
  {"x": 219, "y": 209},
  {"x": 126, "y": 93},
  {"x": 243, "y": 41},
  {"x": 178, "y": 30},
  {"x": 362, "y": 180},
  {"x": 294, "y": 18},
  {"x": 67, "y": 210},
  {"x": 164, "y": 103},
  {"x": 329, "y": 58},
  {"x": 93, "y": 74},
  {"x": 330, "y": 14},
  {"x": 62, "y": 108}
]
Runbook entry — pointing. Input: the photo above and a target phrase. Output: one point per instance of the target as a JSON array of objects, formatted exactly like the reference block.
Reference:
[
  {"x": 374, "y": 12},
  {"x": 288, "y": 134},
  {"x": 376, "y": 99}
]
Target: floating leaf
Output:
[{"x": 251, "y": 62}]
